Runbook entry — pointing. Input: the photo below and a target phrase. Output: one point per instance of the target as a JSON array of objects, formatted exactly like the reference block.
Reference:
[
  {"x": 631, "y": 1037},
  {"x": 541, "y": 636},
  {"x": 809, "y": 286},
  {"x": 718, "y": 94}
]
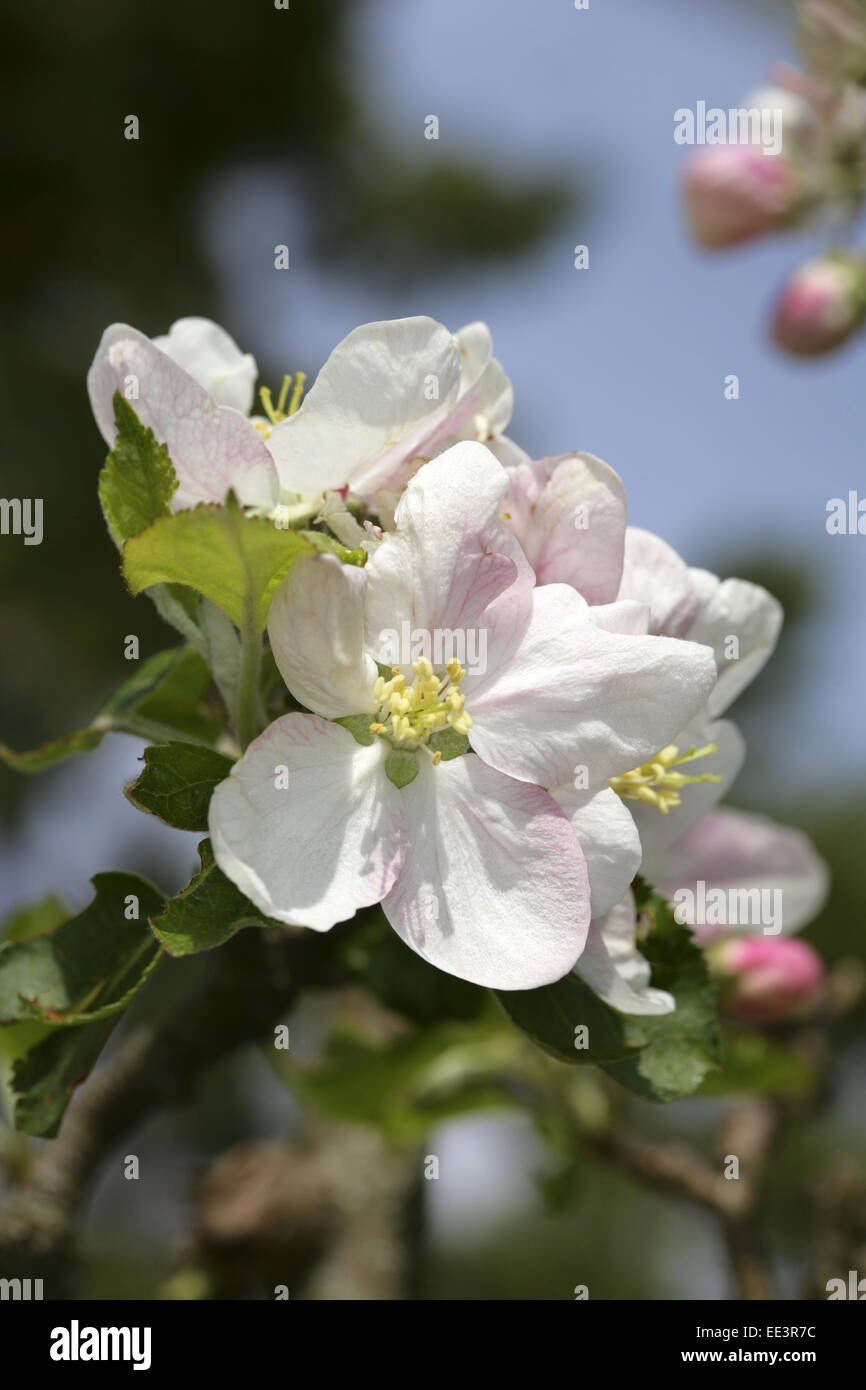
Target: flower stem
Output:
[{"x": 249, "y": 715}]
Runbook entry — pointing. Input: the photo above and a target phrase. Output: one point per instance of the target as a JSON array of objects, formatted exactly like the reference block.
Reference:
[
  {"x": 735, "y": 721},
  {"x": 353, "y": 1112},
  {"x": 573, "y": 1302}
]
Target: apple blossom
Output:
[
  {"x": 823, "y": 303},
  {"x": 430, "y": 796},
  {"x": 765, "y": 980},
  {"x": 735, "y": 192}
]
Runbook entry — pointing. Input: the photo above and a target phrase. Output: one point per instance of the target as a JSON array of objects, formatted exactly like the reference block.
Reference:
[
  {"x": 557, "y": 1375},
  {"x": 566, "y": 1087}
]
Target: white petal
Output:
[
  {"x": 381, "y": 392},
  {"x": 212, "y": 449},
  {"x": 656, "y": 831},
  {"x": 330, "y": 842},
  {"x": 575, "y": 696},
  {"x": 316, "y": 631},
  {"x": 734, "y": 608},
  {"x": 569, "y": 515},
  {"x": 212, "y": 356},
  {"x": 494, "y": 886},
  {"x": 614, "y": 968},
  {"x": 609, "y": 840},
  {"x": 654, "y": 573},
  {"x": 450, "y": 557},
  {"x": 739, "y": 850}
]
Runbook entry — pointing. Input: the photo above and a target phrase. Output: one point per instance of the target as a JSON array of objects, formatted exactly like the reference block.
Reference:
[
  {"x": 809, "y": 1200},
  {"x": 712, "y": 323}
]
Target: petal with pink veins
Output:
[
  {"x": 494, "y": 886},
  {"x": 329, "y": 842},
  {"x": 213, "y": 449}
]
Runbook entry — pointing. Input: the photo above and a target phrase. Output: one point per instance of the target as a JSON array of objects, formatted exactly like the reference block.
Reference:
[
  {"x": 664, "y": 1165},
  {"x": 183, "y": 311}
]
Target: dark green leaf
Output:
[
  {"x": 553, "y": 1014},
  {"x": 679, "y": 1048},
  {"x": 206, "y": 912},
  {"x": 61, "y": 992},
  {"x": 178, "y": 782}
]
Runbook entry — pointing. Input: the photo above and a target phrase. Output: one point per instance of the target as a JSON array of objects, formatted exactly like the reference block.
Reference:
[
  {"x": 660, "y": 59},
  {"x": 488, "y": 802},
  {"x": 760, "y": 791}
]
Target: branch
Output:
[{"x": 251, "y": 983}]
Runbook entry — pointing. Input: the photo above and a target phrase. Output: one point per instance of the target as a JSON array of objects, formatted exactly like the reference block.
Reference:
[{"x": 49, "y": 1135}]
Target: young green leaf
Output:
[
  {"x": 138, "y": 480},
  {"x": 178, "y": 782},
  {"x": 234, "y": 560}
]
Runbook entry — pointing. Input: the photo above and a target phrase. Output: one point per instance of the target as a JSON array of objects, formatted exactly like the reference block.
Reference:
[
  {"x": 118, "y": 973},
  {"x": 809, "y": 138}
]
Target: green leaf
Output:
[
  {"x": 551, "y": 1016},
  {"x": 34, "y": 919},
  {"x": 178, "y": 782},
  {"x": 61, "y": 993},
  {"x": 403, "y": 981},
  {"x": 206, "y": 912},
  {"x": 234, "y": 560},
  {"x": 138, "y": 481},
  {"x": 164, "y": 696},
  {"x": 679, "y": 1048}
]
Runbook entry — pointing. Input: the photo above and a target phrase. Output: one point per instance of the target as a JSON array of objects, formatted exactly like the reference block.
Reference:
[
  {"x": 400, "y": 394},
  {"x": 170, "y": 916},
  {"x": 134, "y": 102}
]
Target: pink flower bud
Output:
[
  {"x": 734, "y": 192},
  {"x": 821, "y": 305},
  {"x": 767, "y": 979}
]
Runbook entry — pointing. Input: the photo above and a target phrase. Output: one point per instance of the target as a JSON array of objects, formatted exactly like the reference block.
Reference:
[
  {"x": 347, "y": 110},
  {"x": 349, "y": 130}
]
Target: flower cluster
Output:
[
  {"x": 815, "y": 175},
  {"x": 510, "y": 702}
]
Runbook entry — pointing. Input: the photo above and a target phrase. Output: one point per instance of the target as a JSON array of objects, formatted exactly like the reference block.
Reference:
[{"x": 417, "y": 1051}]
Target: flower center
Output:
[
  {"x": 409, "y": 713},
  {"x": 656, "y": 784},
  {"x": 277, "y": 413}
]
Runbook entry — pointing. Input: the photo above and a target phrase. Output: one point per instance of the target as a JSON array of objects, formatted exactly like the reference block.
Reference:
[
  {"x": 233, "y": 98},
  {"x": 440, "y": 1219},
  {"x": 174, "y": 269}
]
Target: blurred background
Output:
[{"x": 306, "y": 127}]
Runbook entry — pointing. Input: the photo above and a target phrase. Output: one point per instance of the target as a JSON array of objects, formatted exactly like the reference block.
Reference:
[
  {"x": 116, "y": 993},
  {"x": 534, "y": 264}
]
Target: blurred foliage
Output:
[{"x": 97, "y": 228}]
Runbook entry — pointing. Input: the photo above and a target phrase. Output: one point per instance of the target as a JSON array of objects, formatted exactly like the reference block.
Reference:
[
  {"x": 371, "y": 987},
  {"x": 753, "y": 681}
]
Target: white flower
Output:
[
  {"x": 213, "y": 446},
  {"x": 391, "y": 396},
  {"x": 213, "y": 358},
  {"x": 477, "y": 866}
]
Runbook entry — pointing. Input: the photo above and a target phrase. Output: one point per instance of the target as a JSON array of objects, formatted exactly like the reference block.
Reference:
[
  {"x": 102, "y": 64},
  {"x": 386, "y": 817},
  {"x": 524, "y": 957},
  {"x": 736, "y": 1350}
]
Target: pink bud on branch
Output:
[
  {"x": 736, "y": 192},
  {"x": 823, "y": 303},
  {"x": 767, "y": 979}
]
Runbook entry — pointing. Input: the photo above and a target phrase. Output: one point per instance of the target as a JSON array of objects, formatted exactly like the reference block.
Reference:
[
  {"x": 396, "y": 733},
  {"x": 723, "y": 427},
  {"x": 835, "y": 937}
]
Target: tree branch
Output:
[{"x": 250, "y": 984}]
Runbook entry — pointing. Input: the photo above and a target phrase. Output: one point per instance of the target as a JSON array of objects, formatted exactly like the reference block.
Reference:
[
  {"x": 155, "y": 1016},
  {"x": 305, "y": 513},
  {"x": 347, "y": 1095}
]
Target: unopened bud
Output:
[
  {"x": 767, "y": 979},
  {"x": 821, "y": 305},
  {"x": 735, "y": 192}
]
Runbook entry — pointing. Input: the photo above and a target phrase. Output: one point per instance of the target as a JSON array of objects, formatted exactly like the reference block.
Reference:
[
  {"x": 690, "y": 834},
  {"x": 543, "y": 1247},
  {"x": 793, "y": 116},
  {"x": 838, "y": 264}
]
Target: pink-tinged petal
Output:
[
  {"x": 569, "y": 515},
  {"x": 614, "y": 968},
  {"x": 381, "y": 393},
  {"x": 316, "y": 631},
  {"x": 450, "y": 557},
  {"x": 736, "y": 850},
  {"x": 213, "y": 358},
  {"x": 654, "y": 573},
  {"x": 609, "y": 840},
  {"x": 212, "y": 449},
  {"x": 494, "y": 886},
  {"x": 734, "y": 609},
  {"x": 656, "y": 831},
  {"x": 573, "y": 696},
  {"x": 329, "y": 842}
]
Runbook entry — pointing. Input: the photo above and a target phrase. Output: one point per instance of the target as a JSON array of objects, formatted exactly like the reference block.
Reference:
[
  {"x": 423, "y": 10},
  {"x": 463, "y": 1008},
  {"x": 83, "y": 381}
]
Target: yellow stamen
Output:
[{"x": 655, "y": 784}]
